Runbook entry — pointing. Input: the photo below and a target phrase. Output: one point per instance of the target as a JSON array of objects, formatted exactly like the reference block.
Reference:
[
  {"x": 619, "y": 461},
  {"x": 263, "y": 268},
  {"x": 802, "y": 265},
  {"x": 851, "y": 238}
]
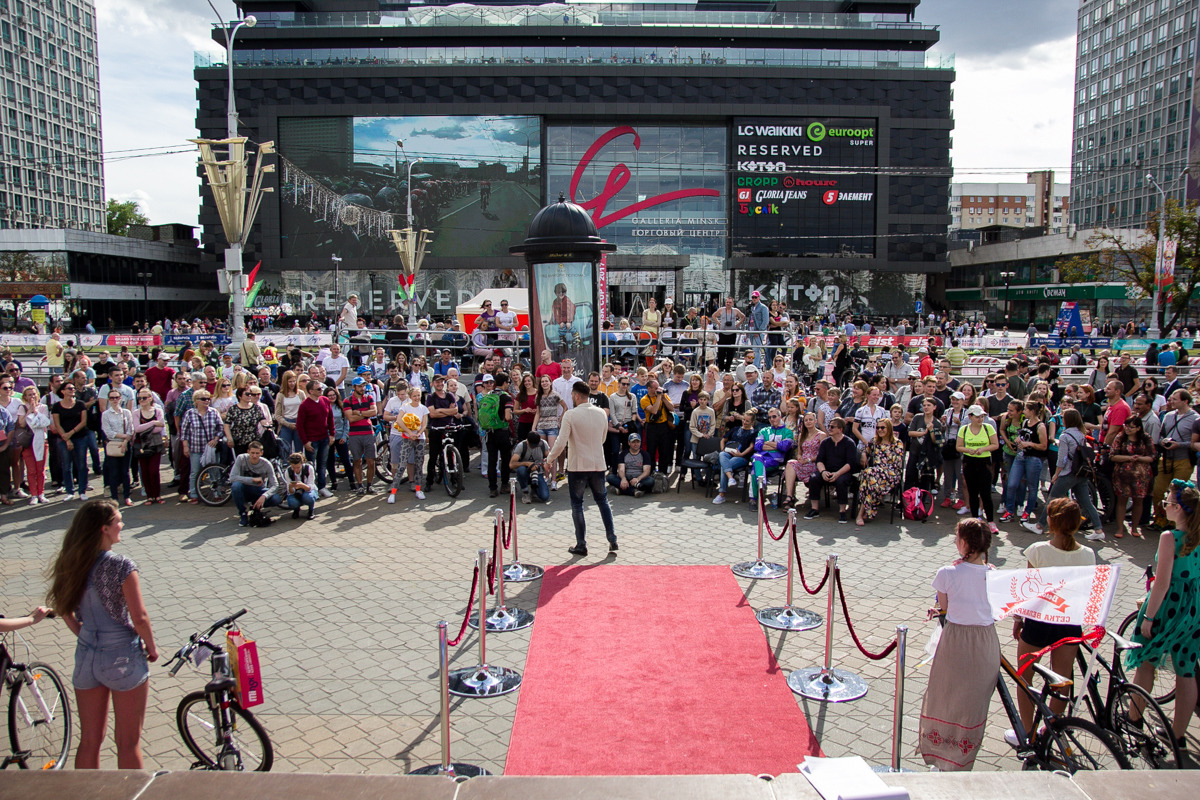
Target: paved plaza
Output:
[{"x": 344, "y": 610}]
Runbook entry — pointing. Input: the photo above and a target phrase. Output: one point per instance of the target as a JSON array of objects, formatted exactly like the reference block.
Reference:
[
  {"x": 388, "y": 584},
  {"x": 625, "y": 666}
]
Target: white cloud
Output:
[{"x": 1013, "y": 113}]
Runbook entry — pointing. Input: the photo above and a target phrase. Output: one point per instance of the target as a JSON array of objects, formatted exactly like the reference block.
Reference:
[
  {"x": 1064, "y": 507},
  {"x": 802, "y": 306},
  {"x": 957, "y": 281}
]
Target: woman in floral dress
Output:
[
  {"x": 804, "y": 465},
  {"x": 884, "y": 462},
  {"x": 1132, "y": 458}
]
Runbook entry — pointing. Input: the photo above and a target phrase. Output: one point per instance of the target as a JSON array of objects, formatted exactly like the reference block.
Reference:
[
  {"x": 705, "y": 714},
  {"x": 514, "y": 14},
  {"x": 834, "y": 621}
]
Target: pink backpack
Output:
[{"x": 918, "y": 504}]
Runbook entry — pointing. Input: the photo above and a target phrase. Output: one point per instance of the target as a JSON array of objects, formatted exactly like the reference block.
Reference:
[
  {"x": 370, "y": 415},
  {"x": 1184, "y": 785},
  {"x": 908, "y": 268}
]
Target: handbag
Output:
[
  {"x": 116, "y": 448},
  {"x": 243, "y": 657},
  {"x": 22, "y": 436}
]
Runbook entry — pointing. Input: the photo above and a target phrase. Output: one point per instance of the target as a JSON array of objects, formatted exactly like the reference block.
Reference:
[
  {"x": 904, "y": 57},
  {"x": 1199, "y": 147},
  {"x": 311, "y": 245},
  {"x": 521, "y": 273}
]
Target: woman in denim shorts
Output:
[{"x": 98, "y": 594}]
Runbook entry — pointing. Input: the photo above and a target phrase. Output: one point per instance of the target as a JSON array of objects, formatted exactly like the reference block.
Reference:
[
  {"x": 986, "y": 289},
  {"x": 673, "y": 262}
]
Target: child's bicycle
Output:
[
  {"x": 213, "y": 724},
  {"x": 39, "y": 711}
]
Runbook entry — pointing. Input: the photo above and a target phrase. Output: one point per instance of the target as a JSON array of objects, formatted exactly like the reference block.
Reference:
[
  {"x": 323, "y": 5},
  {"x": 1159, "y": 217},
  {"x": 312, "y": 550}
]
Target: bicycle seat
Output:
[
  {"x": 1056, "y": 681},
  {"x": 221, "y": 683},
  {"x": 1122, "y": 643}
]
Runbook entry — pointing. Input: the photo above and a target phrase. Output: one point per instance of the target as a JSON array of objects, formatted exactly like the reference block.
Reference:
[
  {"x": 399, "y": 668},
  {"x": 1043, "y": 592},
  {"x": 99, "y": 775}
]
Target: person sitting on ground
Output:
[
  {"x": 528, "y": 462},
  {"x": 301, "y": 484},
  {"x": 633, "y": 473},
  {"x": 836, "y": 460},
  {"x": 736, "y": 448},
  {"x": 253, "y": 480},
  {"x": 883, "y": 462}
]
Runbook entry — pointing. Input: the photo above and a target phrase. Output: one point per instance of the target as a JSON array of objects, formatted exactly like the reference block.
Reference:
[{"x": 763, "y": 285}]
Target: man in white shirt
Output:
[
  {"x": 348, "y": 319},
  {"x": 337, "y": 367},
  {"x": 584, "y": 428},
  {"x": 563, "y": 385}
]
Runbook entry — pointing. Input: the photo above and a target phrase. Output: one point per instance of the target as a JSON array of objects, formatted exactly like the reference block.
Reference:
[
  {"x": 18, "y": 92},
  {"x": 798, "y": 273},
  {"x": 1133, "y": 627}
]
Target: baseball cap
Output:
[
  {"x": 633, "y": 437},
  {"x": 669, "y": 300},
  {"x": 751, "y": 368},
  {"x": 922, "y": 349},
  {"x": 364, "y": 370},
  {"x": 487, "y": 379},
  {"x": 163, "y": 357},
  {"x": 755, "y": 294},
  {"x": 437, "y": 378},
  {"x": 976, "y": 411},
  {"x": 958, "y": 396},
  {"x": 357, "y": 381}
]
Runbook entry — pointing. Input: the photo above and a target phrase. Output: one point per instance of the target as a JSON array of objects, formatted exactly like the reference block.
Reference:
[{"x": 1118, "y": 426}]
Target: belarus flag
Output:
[{"x": 1057, "y": 595}]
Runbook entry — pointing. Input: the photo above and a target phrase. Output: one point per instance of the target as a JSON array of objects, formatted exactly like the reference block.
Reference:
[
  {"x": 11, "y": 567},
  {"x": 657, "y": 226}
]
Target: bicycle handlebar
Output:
[{"x": 197, "y": 640}]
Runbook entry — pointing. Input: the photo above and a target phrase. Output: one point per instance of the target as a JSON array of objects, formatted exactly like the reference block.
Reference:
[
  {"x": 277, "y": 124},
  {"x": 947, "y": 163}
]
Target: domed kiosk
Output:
[{"x": 565, "y": 258}]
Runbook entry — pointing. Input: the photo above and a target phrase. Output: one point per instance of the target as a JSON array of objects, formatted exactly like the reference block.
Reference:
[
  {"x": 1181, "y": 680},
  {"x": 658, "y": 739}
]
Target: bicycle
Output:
[
  {"x": 39, "y": 712},
  {"x": 1140, "y": 741},
  {"x": 450, "y": 460},
  {"x": 215, "y": 713},
  {"x": 1065, "y": 742}
]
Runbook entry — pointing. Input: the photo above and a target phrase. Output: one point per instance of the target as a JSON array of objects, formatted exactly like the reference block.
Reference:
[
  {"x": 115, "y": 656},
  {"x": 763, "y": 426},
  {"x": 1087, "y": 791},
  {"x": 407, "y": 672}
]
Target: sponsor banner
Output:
[
  {"x": 1142, "y": 344},
  {"x": 1054, "y": 595},
  {"x": 1085, "y": 342},
  {"x": 281, "y": 339},
  {"x": 993, "y": 342},
  {"x": 83, "y": 340},
  {"x": 884, "y": 340},
  {"x": 180, "y": 339}
]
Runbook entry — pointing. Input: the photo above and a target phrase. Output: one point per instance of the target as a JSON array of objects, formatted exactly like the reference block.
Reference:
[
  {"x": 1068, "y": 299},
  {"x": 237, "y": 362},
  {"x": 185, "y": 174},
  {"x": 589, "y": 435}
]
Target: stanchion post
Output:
[
  {"x": 447, "y": 768},
  {"x": 898, "y": 708},
  {"x": 788, "y": 617},
  {"x": 502, "y": 619},
  {"x": 759, "y": 569},
  {"x": 826, "y": 683},
  {"x": 483, "y": 680},
  {"x": 517, "y": 572}
]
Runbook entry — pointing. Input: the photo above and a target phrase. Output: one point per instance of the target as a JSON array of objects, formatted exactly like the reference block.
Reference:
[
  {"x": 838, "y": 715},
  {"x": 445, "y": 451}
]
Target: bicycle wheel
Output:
[
  {"x": 39, "y": 719},
  {"x": 1163, "y": 689},
  {"x": 1074, "y": 744},
  {"x": 195, "y": 722},
  {"x": 1150, "y": 745},
  {"x": 452, "y": 474},
  {"x": 212, "y": 484}
]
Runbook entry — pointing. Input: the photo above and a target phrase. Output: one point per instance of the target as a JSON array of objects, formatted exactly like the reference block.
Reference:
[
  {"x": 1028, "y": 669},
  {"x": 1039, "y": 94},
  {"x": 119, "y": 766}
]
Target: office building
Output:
[
  {"x": 51, "y": 162},
  {"x": 1039, "y": 203},
  {"x": 1133, "y": 107}
]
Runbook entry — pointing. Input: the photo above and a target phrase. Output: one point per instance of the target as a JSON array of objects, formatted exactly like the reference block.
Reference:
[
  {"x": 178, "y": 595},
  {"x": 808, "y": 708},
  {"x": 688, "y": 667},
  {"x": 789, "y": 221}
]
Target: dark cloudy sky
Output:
[{"x": 1015, "y": 60}]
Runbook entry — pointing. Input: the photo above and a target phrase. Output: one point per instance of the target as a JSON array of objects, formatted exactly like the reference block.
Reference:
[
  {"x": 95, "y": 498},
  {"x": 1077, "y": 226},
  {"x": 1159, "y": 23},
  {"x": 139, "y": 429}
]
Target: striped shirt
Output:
[{"x": 198, "y": 430}]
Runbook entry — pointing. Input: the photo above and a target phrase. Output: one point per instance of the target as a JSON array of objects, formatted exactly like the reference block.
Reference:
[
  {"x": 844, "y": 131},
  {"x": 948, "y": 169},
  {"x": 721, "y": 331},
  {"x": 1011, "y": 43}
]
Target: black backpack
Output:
[{"x": 1083, "y": 460}]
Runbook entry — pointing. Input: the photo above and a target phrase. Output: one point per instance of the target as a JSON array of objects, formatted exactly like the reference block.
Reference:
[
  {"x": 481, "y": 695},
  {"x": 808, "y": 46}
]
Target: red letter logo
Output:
[{"x": 830, "y": 197}]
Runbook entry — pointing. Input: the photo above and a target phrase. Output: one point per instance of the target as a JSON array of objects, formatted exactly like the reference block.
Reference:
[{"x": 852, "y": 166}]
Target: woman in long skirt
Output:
[{"x": 967, "y": 662}]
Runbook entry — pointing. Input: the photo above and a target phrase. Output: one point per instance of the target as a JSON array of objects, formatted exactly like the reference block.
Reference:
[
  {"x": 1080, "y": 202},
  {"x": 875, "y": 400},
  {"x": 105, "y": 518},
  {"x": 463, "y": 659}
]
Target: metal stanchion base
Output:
[
  {"x": 759, "y": 570},
  {"x": 832, "y": 686},
  {"x": 483, "y": 681},
  {"x": 789, "y": 618},
  {"x": 517, "y": 572},
  {"x": 885, "y": 769},
  {"x": 456, "y": 771},
  {"x": 501, "y": 620}
]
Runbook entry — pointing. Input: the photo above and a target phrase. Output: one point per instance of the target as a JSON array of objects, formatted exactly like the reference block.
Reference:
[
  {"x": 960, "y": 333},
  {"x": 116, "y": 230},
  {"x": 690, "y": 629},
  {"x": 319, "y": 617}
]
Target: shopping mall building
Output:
[{"x": 800, "y": 147}]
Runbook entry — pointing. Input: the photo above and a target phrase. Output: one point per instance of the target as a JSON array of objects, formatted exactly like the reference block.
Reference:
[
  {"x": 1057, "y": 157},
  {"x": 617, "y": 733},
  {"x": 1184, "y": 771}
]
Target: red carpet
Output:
[{"x": 652, "y": 671}]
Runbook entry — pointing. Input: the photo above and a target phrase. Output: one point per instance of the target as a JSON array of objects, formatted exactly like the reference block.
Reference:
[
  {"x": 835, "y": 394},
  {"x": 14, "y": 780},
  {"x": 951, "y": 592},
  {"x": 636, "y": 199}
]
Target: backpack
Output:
[
  {"x": 489, "y": 411},
  {"x": 918, "y": 504},
  {"x": 1083, "y": 460}
]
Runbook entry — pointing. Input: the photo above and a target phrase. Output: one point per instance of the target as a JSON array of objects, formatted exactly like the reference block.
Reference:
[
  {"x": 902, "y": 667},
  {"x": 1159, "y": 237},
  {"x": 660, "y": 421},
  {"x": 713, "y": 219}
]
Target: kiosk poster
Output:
[
  {"x": 562, "y": 313},
  {"x": 804, "y": 187}
]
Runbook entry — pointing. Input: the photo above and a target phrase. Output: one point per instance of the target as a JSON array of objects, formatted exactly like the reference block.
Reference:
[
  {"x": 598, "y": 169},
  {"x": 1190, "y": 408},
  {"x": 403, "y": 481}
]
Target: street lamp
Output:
[
  {"x": 337, "y": 284},
  {"x": 1008, "y": 276},
  {"x": 231, "y": 117},
  {"x": 145, "y": 278},
  {"x": 1155, "y": 332}
]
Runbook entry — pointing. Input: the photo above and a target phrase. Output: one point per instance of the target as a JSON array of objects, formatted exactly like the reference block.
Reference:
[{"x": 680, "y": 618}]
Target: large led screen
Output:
[
  {"x": 475, "y": 182},
  {"x": 656, "y": 189},
  {"x": 804, "y": 187}
]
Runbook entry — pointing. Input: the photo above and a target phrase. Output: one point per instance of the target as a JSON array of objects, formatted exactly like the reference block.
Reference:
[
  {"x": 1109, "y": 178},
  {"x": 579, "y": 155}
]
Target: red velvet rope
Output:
[
  {"x": 512, "y": 519},
  {"x": 470, "y": 604},
  {"x": 1091, "y": 639},
  {"x": 887, "y": 651},
  {"x": 491, "y": 567},
  {"x": 800, "y": 567},
  {"x": 762, "y": 511}
]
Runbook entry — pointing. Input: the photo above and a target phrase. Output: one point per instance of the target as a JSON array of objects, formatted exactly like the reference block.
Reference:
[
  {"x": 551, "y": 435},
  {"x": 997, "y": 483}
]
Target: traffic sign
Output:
[{"x": 919, "y": 304}]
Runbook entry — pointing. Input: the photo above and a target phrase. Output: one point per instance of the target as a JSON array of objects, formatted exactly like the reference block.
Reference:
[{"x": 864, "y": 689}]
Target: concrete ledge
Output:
[{"x": 1172, "y": 785}]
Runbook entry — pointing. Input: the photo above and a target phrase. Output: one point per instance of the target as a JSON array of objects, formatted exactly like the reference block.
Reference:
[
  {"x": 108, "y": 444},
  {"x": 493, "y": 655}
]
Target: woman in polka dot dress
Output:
[{"x": 1168, "y": 624}]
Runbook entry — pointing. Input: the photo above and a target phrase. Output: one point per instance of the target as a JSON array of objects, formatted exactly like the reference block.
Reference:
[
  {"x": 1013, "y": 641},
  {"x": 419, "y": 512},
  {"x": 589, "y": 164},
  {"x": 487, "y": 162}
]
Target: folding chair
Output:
[{"x": 696, "y": 463}]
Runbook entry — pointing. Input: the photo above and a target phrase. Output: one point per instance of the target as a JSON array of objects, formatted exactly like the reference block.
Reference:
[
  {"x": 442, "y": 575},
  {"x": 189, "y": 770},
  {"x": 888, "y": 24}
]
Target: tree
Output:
[
  {"x": 1131, "y": 260},
  {"x": 120, "y": 216}
]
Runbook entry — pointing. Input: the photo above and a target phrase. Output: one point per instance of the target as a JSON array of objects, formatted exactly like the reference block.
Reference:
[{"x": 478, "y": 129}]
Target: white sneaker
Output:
[
  {"x": 33, "y": 501},
  {"x": 391, "y": 498},
  {"x": 962, "y": 512},
  {"x": 68, "y": 498},
  {"x": 83, "y": 495},
  {"x": 1094, "y": 536},
  {"x": 420, "y": 495},
  {"x": 525, "y": 498},
  {"x": 1010, "y": 737},
  {"x": 42, "y": 498},
  {"x": 325, "y": 493},
  {"x": 718, "y": 500},
  {"x": 1032, "y": 527}
]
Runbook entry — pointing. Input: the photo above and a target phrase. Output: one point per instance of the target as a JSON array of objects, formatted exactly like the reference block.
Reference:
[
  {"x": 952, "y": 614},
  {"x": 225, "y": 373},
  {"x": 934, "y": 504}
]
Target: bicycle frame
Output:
[{"x": 1041, "y": 709}]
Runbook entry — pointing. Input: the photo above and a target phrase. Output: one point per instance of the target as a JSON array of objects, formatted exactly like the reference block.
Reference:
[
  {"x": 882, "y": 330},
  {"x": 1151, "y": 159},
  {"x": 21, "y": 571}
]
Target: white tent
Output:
[{"x": 518, "y": 302}]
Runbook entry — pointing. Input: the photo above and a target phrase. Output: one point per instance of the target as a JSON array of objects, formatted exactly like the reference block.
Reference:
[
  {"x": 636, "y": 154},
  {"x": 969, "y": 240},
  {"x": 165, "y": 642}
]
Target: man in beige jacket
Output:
[{"x": 583, "y": 428}]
